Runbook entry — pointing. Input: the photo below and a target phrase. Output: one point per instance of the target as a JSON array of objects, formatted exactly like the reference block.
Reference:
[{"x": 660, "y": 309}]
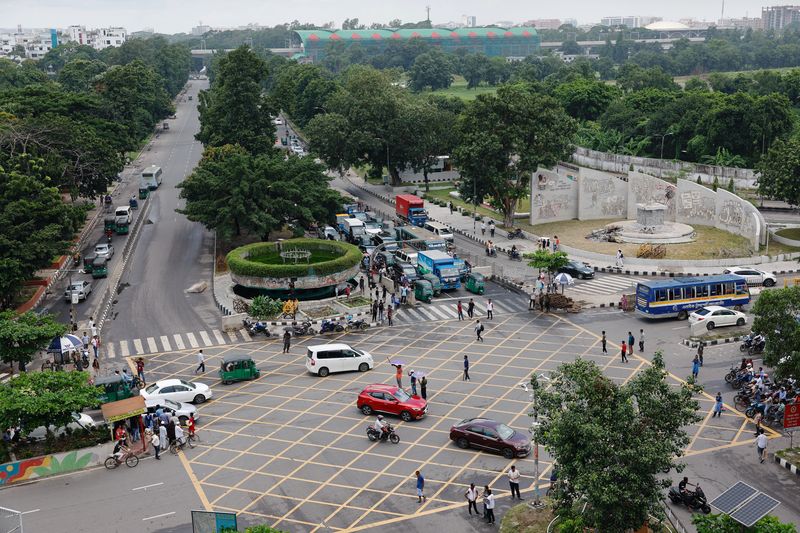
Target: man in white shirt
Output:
[
  {"x": 201, "y": 362},
  {"x": 488, "y": 501},
  {"x": 472, "y": 498},
  {"x": 761, "y": 444},
  {"x": 513, "y": 481}
]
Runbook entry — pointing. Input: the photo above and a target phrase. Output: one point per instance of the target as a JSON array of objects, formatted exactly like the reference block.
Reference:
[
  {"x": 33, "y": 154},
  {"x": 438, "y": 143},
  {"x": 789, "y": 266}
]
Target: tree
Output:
[
  {"x": 546, "y": 260},
  {"x": 613, "y": 441},
  {"x": 779, "y": 170},
  {"x": 79, "y": 74},
  {"x": 695, "y": 84},
  {"x": 15, "y": 76},
  {"x": 720, "y": 523},
  {"x": 234, "y": 110},
  {"x": 585, "y": 99},
  {"x": 432, "y": 122},
  {"x": 40, "y": 399},
  {"x": 21, "y": 336},
  {"x": 431, "y": 69},
  {"x": 473, "y": 68},
  {"x": 529, "y": 130},
  {"x": 776, "y": 313},
  {"x": 235, "y": 192}
]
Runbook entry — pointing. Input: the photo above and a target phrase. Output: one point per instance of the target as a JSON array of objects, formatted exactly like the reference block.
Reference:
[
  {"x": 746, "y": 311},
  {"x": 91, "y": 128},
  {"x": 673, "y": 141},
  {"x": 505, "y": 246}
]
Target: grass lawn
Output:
[
  {"x": 459, "y": 89},
  {"x": 274, "y": 257},
  {"x": 789, "y": 233},
  {"x": 790, "y": 454},
  {"x": 522, "y": 519}
]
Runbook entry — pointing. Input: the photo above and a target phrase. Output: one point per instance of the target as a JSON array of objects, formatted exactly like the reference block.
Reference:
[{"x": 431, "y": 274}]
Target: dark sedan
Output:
[
  {"x": 487, "y": 434},
  {"x": 577, "y": 270}
]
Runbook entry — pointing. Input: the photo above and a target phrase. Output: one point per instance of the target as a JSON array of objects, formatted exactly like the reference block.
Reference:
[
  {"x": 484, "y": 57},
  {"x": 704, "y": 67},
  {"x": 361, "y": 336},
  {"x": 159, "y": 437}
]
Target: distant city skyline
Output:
[{"x": 175, "y": 16}]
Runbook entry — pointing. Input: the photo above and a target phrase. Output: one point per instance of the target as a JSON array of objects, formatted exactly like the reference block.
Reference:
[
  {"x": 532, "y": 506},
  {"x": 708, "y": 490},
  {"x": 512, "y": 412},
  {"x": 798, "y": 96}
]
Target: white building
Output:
[
  {"x": 107, "y": 37},
  {"x": 35, "y": 42},
  {"x": 778, "y": 17},
  {"x": 469, "y": 21},
  {"x": 201, "y": 29},
  {"x": 629, "y": 21}
]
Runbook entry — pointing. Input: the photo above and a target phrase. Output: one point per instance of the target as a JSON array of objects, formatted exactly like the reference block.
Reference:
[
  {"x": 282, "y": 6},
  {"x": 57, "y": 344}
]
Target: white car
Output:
[
  {"x": 80, "y": 420},
  {"x": 278, "y": 121},
  {"x": 715, "y": 316},
  {"x": 753, "y": 276},
  {"x": 322, "y": 359},
  {"x": 182, "y": 410},
  {"x": 104, "y": 250},
  {"x": 177, "y": 390},
  {"x": 82, "y": 288}
]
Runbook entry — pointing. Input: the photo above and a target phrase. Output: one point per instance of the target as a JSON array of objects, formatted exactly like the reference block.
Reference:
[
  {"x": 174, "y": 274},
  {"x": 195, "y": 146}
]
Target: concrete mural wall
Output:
[
  {"x": 740, "y": 217},
  {"x": 696, "y": 204},
  {"x": 57, "y": 463},
  {"x": 644, "y": 189},
  {"x": 601, "y": 195},
  {"x": 554, "y": 195}
]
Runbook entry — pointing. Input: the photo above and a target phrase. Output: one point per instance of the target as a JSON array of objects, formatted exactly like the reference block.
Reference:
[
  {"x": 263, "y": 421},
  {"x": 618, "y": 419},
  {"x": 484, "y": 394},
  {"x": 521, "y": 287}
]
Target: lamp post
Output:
[
  {"x": 661, "y": 159},
  {"x": 474, "y": 203},
  {"x": 534, "y": 387}
]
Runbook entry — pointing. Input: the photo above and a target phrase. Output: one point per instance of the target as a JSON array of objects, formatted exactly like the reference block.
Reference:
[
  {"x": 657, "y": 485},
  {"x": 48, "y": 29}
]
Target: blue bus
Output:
[{"x": 677, "y": 297}]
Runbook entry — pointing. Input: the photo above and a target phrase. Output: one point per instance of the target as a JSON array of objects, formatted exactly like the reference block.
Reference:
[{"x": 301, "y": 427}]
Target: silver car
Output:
[
  {"x": 81, "y": 288},
  {"x": 104, "y": 250}
]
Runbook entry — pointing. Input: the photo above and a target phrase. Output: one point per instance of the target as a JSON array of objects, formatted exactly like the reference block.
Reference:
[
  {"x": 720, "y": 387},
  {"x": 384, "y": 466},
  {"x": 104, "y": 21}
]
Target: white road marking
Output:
[
  {"x": 137, "y": 345},
  {"x": 165, "y": 343},
  {"x": 245, "y": 334},
  {"x": 123, "y": 348},
  {"x": 192, "y": 340},
  {"x": 157, "y": 516},
  {"x": 218, "y": 336},
  {"x": 110, "y": 353},
  {"x": 439, "y": 312},
  {"x": 151, "y": 344},
  {"x": 145, "y": 487},
  {"x": 31, "y": 511},
  {"x": 232, "y": 335},
  {"x": 206, "y": 338},
  {"x": 179, "y": 342}
]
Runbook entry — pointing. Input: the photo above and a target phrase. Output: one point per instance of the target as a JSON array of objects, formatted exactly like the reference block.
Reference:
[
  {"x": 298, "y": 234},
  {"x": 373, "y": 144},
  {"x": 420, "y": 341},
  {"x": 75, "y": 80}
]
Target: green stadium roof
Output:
[{"x": 322, "y": 35}]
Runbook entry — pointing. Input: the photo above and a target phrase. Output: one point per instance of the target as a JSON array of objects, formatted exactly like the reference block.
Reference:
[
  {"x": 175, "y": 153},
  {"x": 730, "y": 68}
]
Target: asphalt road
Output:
[{"x": 172, "y": 253}]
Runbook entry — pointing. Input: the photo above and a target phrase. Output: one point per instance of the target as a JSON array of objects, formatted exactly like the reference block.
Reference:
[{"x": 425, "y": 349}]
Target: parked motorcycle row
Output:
[
  {"x": 302, "y": 329},
  {"x": 758, "y": 396}
]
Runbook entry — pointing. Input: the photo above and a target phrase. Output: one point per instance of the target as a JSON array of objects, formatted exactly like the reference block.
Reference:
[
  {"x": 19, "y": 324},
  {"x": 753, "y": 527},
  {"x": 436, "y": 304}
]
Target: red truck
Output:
[{"x": 411, "y": 208}]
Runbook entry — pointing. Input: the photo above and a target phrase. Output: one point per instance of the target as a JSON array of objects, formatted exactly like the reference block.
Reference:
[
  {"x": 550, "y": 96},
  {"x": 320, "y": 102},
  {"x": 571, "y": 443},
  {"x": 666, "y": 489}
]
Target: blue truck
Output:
[{"x": 442, "y": 266}]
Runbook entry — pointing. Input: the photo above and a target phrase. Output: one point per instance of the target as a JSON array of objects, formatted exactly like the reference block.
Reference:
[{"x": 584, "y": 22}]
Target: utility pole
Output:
[{"x": 428, "y": 10}]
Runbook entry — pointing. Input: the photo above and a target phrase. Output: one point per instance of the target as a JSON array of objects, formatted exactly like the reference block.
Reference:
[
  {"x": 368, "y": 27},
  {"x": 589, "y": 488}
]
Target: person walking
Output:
[
  {"x": 641, "y": 340},
  {"x": 460, "y": 309},
  {"x": 541, "y": 301},
  {"x": 383, "y": 297},
  {"x": 466, "y": 368},
  {"x": 155, "y": 442},
  {"x": 695, "y": 367},
  {"x": 381, "y": 310},
  {"x": 556, "y": 243},
  {"x": 717, "y": 406},
  {"x": 488, "y": 499},
  {"x": 420, "y": 487},
  {"x": 624, "y": 352},
  {"x": 389, "y": 313},
  {"x": 479, "y": 330},
  {"x": 603, "y": 342},
  {"x": 423, "y": 388},
  {"x": 491, "y": 229},
  {"x": 761, "y": 445},
  {"x": 92, "y": 326},
  {"x": 361, "y": 285},
  {"x": 513, "y": 481},
  {"x": 472, "y": 497},
  {"x": 95, "y": 345},
  {"x": 700, "y": 352},
  {"x": 489, "y": 310},
  {"x": 140, "y": 369},
  {"x": 483, "y": 228},
  {"x": 85, "y": 340},
  {"x": 547, "y": 302},
  {"x": 375, "y": 310},
  {"x": 162, "y": 435},
  {"x": 620, "y": 259},
  {"x": 413, "y": 377},
  {"x": 450, "y": 205},
  {"x": 201, "y": 362},
  {"x": 398, "y": 372},
  {"x": 287, "y": 341},
  {"x": 470, "y": 308},
  {"x": 630, "y": 343}
]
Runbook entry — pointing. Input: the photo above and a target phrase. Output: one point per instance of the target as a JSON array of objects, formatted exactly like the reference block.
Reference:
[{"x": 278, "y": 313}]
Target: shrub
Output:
[
  {"x": 264, "y": 307},
  {"x": 715, "y": 184},
  {"x": 238, "y": 262}
]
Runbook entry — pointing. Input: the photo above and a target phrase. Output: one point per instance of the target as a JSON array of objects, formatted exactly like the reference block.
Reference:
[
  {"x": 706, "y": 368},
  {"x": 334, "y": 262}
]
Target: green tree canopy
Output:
[
  {"x": 79, "y": 74},
  {"x": 776, "y": 317},
  {"x": 431, "y": 70},
  {"x": 779, "y": 172},
  {"x": 21, "y": 336},
  {"x": 585, "y": 99},
  {"x": 720, "y": 523},
  {"x": 547, "y": 260}
]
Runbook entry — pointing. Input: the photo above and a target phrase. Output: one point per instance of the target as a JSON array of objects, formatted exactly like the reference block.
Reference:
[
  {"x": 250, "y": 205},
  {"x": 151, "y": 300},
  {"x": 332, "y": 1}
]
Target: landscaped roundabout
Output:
[{"x": 315, "y": 267}]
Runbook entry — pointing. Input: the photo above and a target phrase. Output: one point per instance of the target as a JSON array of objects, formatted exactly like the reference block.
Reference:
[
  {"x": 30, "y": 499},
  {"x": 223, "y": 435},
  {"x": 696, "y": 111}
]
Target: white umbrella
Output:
[
  {"x": 564, "y": 279},
  {"x": 64, "y": 344}
]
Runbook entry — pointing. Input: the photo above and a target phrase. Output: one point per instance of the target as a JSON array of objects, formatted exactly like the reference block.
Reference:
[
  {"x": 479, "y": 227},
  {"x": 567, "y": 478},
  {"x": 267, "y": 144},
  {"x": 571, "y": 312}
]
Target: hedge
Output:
[{"x": 238, "y": 262}]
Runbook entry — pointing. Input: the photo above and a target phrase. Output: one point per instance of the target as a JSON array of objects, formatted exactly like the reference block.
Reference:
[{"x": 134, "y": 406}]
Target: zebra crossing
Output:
[
  {"x": 169, "y": 343},
  {"x": 604, "y": 285},
  {"x": 446, "y": 309}
]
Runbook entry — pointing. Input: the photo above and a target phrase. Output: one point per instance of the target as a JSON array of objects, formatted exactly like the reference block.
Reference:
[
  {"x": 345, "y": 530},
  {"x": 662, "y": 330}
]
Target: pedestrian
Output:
[
  {"x": 162, "y": 435},
  {"x": 398, "y": 373},
  {"x": 413, "y": 377},
  {"x": 96, "y": 365},
  {"x": 380, "y": 280},
  {"x": 695, "y": 367},
  {"x": 541, "y": 301},
  {"x": 384, "y": 293},
  {"x": 556, "y": 243},
  {"x": 395, "y": 302},
  {"x": 381, "y": 309},
  {"x": 489, "y": 310},
  {"x": 287, "y": 341},
  {"x": 532, "y": 301},
  {"x": 190, "y": 425},
  {"x": 155, "y": 442},
  {"x": 479, "y": 330},
  {"x": 488, "y": 499},
  {"x": 630, "y": 343},
  {"x": 95, "y": 345},
  {"x": 374, "y": 310},
  {"x": 92, "y": 327},
  {"x": 700, "y": 352},
  {"x": 466, "y": 368},
  {"x": 201, "y": 362},
  {"x": 717, "y": 406},
  {"x": 624, "y": 352},
  {"x": 620, "y": 259},
  {"x": 140, "y": 369},
  {"x": 603, "y": 342},
  {"x": 470, "y": 308},
  {"x": 423, "y": 388},
  {"x": 450, "y": 205},
  {"x": 361, "y": 285},
  {"x": 483, "y": 228},
  {"x": 420, "y": 487},
  {"x": 170, "y": 432},
  {"x": 547, "y": 303},
  {"x": 460, "y": 309},
  {"x": 85, "y": 340},
  {"x": 761, "y": 444},
  {"x": 389, "y": 313},
  {"x": 641, "y": 340},
  {"x": 472, "y": 497},
  {"x": 347, "y": 291},
  {"x": 148, "y": 420},
  {"x": 403, "y": 295},
  {"x": 513, "y": 481},
  {"x": 491, "y": 229}
]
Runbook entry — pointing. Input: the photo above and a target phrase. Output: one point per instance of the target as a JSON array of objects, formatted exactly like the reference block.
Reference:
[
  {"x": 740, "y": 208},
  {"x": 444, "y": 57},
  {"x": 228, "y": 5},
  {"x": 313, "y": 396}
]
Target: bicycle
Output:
[
  {"x": 177, "y": 445},
  {"x": 128, "y": 457}
]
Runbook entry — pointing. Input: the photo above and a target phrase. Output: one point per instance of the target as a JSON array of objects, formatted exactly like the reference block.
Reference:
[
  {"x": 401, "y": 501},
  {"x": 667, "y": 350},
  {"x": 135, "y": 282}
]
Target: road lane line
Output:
[
  {"x": 110, "y": 353},
  {"x": 157, "y": 516},
  {"x": 192, "y": 340},
  {"x": 437, "y": 311},
  {"x": 206, "y": 339},
  {"x": 123, "y": 348},
  {"x": 151, "y": 345},
  {"x": 232, "y": 335},
  {"x": 145, "y": 487},
  {"x": 218, "y": 335},
  {"x": 246, "y": 335},
  {"x": 165, "y": 343},
  {"x": 31, "y": 511},
  {"x": 179, "y": 342},
  {"x": 137, "y": 345}
]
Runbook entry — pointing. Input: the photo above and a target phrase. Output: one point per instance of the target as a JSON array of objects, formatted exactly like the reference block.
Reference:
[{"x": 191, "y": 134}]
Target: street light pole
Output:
[
  {"x": 474, "y": 203},
  {"x": 661, "y": 159},
  {"x": 534, "y": 400}
]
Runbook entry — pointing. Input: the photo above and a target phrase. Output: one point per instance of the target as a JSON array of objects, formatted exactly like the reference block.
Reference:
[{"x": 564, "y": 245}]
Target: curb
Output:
[
  {"x": 694, "y": 344},
  {"x": 787, "y": 465}
]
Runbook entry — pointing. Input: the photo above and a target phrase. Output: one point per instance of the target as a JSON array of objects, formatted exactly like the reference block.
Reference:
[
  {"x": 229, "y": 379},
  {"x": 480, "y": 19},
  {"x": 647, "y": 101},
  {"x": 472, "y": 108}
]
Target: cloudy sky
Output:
[{"x": 172, "y": 16}]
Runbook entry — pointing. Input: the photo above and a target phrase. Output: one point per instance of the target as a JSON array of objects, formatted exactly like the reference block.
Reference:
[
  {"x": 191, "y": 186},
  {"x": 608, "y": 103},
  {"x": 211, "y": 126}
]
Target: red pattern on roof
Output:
[
  {"x": 335, "y": 37},
  {"x": 472, "y": 34},
  {"x": 509, "y": 34},
  {"x": 396, "y": 36},
  {"x": 455, "y": 35},
  {"x": 491, "y": 35},
  {"x": 435, "y": 35},
  {"x": 355, "y": 36},
  {"x": 377, "y": 36},
  {"x": 314, "y": 37},
  {"x": 526, "y": 33}
]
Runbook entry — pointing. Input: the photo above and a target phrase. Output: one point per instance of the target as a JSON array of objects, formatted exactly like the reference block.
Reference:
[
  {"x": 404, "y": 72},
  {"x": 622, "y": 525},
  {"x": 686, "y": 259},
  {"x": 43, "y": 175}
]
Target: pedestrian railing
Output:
[{"x": 10, "y": 521}]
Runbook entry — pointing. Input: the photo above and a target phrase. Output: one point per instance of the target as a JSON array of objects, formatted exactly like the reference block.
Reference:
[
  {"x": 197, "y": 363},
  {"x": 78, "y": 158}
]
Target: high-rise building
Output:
[
  {"x": 544, "y": 24},
  {"x": 630, "y": 21},
  {"x": 778, "y": 17},
  {"x": 571, "y": 22},
  {"x": 201, "y": 29},
  {"x": 743, "y": 23},
  {"x": 470, "y": 21}
]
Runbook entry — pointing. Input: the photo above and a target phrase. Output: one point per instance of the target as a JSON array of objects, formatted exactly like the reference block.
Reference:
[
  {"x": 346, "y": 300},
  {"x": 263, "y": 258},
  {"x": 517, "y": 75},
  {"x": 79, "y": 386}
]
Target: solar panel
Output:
[
  {"x": 755, "y": 509},
  {"x": 733, "y": 497}
]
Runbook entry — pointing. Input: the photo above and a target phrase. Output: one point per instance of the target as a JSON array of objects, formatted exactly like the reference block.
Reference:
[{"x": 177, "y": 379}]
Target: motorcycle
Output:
[
  {"x": 109, "y": 235},
  {"x": 376, "y": 435},
  {"x": 514, "y": 255},
  {"x": 694, "y": 500},
  {"x": 255, "y": 327},
  {"x": 753, "y": 344},
  {"x": 303, "y": 329},
  {"x": 491, "y": 252},
  {"x": 330, "y": 326},
  {"x": 516, "y": 234},
  {"x": 359, "y": 324}
]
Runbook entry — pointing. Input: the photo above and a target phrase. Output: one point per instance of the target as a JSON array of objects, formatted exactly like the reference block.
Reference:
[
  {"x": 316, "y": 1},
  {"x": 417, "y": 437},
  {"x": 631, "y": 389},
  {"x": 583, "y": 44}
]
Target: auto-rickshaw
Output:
[
  {"x": 475, "y": 283},
  {"x": 144, "y": 193},
  {"x": 112, "y": 388},
  {"x": 423, "y": 291},
  {"x": 88, "y": 262},
  {"x": 100, "y": 267},
  {"x": 108, "y": 224},
  {"x": 123, "y": 228},
  {"x": 237, "y": 367},
  {"x": 435, "y": 282}
]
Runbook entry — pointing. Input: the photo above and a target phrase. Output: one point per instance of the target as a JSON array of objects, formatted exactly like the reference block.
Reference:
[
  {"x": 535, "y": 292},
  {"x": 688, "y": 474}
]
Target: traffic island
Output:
[{"x": 789, "y": 459}]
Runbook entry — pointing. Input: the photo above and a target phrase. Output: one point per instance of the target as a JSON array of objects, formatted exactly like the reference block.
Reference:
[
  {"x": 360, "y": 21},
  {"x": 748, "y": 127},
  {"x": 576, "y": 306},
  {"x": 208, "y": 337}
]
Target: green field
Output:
[{"x": 459, "y": 89}]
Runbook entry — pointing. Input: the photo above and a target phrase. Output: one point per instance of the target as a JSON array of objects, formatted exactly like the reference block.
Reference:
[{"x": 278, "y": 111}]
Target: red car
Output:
[
  {"x": 488, "y": 434},
  {"x": 391, "y": 400}
]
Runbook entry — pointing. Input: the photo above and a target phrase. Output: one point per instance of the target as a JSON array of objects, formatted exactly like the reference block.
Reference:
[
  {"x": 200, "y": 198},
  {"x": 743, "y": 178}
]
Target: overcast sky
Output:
[{"x": 173, "y": 16}]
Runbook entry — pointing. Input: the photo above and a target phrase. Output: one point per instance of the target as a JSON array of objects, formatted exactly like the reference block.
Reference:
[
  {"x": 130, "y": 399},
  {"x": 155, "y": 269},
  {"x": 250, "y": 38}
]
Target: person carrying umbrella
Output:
[{"x": 399, "y": 373}]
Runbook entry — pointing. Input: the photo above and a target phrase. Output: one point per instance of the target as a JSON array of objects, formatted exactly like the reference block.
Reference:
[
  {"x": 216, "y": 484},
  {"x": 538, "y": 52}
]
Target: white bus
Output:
[{"x": 151, "y": 178}]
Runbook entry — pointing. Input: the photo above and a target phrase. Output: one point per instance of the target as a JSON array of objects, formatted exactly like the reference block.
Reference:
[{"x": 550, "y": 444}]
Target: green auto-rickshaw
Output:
[
  {"x": 88, "y": 261},
  {"x": 475, "y": 283},
  {"x": 423, "y": 291},
  {"x": 122, "y": 228},
  {"x": 237, "y": 367},
  {"x": 436, "y": 284},
  {"x": 100, "y": 267},
  {"x": 113, "y": 388},
  {"x": 144, "y": 193},
  {"x": 108, "y": 224}
]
